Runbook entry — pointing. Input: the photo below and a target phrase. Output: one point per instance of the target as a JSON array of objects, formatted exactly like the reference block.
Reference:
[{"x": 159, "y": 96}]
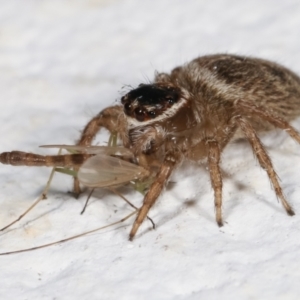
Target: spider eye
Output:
[
  {"x": 152, "y": 114},
  {"x": 170, "y": 100},
  {"x": 139, "y": 114},
  {"x": 127, "y": 107}
]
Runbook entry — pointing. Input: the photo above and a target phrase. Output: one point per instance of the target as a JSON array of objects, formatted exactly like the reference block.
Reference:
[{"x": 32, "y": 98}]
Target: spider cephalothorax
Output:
[{"x": 151, "y": 103}]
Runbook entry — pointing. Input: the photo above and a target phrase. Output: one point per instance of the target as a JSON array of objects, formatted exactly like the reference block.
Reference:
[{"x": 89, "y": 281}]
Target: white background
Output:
[{"x": 61, "y": 62}]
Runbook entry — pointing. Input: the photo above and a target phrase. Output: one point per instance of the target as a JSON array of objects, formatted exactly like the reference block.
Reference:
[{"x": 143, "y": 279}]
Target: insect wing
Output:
[
  {"x": 121, "y": 151},
  {"x": 104, "y": 171}
]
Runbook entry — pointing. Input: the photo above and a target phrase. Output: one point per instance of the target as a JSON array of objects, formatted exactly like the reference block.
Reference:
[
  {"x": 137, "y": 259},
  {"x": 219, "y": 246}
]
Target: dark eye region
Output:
[{"x": 149, "y": 101}]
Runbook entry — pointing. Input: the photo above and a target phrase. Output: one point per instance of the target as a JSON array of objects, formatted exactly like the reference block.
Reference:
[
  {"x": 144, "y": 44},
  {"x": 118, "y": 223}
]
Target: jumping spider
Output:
[{"x": 192, "y": 113}]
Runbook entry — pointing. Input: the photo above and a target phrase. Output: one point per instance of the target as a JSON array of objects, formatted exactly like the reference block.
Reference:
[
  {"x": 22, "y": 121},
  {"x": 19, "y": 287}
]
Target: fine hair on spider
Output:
[{"x": 192, "y": 113}]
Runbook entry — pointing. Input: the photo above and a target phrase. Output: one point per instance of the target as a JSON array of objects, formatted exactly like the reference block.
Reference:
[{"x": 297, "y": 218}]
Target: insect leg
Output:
[
  {"x": 72, "y": 237},
  {"x": 128, "y": 202},
  {"x": 153, "y": 193},
  {"x": 214, "y": 156},
  {"x": 274, "y": 120},
  {"x": 18, "y": 158},
  {"x": 87, "y": 201},
  {"x": 264, "y": 160}
]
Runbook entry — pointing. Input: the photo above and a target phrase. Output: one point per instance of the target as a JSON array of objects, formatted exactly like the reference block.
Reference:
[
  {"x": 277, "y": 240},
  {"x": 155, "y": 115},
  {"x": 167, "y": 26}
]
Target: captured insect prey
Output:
[{"x": 190, "y": 114}]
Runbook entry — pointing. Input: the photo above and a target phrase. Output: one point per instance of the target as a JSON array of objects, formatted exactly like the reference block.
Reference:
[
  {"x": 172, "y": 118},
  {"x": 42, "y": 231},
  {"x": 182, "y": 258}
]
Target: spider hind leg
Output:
[{"x": 264, "y": 160}]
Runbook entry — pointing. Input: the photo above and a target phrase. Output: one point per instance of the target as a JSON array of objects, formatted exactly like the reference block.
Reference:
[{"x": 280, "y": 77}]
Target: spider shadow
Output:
[
  {"x": 169, "y": 217},
  {"x": 243, "y": 189},
  {"x": 240, "y": 187}
]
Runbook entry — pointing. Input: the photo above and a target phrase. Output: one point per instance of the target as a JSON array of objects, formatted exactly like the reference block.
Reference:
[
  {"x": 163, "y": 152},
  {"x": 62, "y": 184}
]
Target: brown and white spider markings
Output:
[{"x": 192, "y": 113}]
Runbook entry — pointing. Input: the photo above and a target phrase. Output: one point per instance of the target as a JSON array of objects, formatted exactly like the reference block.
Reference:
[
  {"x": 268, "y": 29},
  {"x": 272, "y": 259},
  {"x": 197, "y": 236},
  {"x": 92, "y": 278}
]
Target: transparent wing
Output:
[
  {"x": 104, "y": 171},
  {"x": 118, "y": 150}
]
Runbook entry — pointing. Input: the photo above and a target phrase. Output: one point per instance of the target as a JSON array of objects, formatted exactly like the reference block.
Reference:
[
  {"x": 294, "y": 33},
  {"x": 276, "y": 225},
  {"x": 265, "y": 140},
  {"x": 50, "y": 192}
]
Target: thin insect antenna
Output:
[
  {"x": 72, "y": 237},
  {"x": 87, "y": 201},
  {"x": 43, "y": 196}
]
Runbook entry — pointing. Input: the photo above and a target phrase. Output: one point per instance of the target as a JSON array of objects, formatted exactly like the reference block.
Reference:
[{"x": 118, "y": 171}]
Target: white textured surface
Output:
[{"x": 61, "y": 62}]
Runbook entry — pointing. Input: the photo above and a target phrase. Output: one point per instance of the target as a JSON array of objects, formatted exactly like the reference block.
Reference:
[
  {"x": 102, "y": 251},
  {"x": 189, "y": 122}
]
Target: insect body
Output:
[{"x": 192, "y": 113}]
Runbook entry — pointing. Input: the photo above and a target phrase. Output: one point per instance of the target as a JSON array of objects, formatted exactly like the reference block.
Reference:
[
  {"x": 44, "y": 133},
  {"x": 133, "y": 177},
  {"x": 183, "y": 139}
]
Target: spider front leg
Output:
[
  {"x": 154, "y": 191},
  {"x": 111, "y": 118}
]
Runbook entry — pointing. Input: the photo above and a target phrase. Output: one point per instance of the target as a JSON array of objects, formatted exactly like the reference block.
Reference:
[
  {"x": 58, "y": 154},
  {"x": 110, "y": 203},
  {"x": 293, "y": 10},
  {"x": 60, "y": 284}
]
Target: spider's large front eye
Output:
[{"x": 140, "y": 114}]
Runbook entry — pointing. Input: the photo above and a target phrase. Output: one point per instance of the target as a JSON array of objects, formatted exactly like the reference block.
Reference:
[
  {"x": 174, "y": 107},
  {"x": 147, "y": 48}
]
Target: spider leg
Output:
[
  {"x": 153, "y": 193},
  {"x": 264, "y": 160},
  {"x": 214, "y": 156},
  {"x": 272, "y": 119},
  {"x": 111, "y": 119}
]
